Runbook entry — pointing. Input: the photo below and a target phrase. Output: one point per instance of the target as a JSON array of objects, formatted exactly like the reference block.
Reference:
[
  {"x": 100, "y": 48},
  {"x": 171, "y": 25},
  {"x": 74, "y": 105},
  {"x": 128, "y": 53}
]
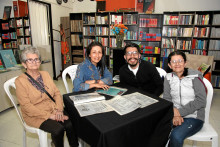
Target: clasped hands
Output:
[
  {"x": 59, "y": 116},
  {"x": 97, "y": 84},
  {"x": 177, "y": 118}
]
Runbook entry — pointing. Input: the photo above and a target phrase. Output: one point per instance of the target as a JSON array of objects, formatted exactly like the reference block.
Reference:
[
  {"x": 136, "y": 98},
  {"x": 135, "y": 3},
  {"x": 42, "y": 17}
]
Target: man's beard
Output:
[{"x": 133, "y": 65}]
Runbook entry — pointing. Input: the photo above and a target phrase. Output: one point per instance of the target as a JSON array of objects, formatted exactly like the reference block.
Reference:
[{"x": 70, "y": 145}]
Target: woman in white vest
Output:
[{"x": 185, "y": 88}]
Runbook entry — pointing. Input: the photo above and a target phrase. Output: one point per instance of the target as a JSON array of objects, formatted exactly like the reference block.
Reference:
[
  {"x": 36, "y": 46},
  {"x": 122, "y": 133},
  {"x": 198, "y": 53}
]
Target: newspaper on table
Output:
[
  {"x": 140, "y": 99},
  {"x": 112, "y": 91},
  {"x": 122, "y": 105},
  {"x": 91, "y": 108},
  {"x": 88, "y": 97}
]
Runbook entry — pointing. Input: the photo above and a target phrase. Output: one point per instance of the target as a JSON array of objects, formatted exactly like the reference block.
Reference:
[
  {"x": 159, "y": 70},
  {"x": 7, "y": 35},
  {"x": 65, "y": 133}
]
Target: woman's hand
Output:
[
  {"x": 103, "y": 86},
  {"x": 59, "y": 116},
  {"x": 177, "y": 120},
  {"x": 90, "y": 81},
  {"x": 176, "y": 112}
]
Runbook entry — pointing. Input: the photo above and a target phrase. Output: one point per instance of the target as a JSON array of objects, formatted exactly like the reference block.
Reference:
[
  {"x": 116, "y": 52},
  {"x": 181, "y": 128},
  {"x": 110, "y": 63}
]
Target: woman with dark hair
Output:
[
  {"x": 186, "y": 90},
  {"x": 93, "y": 73}
]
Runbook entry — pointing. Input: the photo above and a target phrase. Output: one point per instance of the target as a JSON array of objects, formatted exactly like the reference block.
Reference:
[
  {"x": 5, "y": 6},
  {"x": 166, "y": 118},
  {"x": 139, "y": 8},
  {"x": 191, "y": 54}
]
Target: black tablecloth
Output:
[{"x": 144, "y": 127}]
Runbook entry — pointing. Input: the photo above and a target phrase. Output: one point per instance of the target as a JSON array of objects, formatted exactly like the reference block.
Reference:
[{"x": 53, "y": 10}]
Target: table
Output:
[{"x": 145, "y": 127}]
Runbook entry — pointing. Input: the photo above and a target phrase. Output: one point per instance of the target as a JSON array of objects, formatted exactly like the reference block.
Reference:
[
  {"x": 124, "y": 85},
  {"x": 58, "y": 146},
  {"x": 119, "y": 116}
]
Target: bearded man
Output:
[{"x": 139, "y": 73}]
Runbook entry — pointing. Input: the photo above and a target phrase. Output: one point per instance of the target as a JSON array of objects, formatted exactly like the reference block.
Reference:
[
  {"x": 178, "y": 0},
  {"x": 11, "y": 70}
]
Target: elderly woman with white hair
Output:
[{"x": 41, "y": 102}]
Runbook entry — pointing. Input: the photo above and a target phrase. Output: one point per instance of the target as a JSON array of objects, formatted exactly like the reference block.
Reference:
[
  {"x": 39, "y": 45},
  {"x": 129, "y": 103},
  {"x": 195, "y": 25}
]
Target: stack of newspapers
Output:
[{"x": 94, "y": 103}]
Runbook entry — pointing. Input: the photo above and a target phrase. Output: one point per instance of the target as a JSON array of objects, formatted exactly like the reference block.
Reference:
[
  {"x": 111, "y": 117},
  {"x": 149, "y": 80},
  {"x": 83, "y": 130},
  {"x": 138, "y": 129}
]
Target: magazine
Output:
[
  {"x": 112, "y": 91},
  {"x": 85, "y": 98}
]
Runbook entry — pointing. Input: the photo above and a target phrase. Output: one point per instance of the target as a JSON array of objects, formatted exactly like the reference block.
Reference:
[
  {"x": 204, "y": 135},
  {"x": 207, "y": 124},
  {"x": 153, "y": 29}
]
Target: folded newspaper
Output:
[
  {"x": 120, "y": 104},
  {"x": 85, "y": 98}
]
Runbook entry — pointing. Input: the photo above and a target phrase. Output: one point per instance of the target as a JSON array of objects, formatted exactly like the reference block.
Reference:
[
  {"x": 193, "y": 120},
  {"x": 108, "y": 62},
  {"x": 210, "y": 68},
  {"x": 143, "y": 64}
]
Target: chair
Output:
[
  {"x": 71, "y": 70},
  {"x": 207, "y": 133},
  {"x": 162, "y": 72},
  {"x": 41, "y": 134}
]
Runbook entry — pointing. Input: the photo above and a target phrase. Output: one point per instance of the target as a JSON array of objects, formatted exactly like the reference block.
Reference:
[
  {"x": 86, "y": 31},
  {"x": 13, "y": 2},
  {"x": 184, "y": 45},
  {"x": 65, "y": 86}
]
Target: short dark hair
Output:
[
  {"x": 185, "y": 73},
  {"x": 101, "y": 65},
  {"x": 132, "y": 45}
]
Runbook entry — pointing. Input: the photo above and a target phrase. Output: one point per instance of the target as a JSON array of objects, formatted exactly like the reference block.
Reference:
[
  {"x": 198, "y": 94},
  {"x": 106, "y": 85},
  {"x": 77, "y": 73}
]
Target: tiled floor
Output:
[{"x": 11, "y": 129}]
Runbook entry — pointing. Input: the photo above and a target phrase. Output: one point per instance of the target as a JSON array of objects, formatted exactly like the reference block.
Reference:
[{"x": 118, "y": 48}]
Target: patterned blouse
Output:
[{"x": 88, "y": 71}]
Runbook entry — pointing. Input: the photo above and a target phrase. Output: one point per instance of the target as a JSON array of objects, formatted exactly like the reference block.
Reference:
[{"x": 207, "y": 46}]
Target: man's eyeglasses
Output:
[
  {"x": 180, "y": 61},
  {"x": 135, "y": 53},
  {"x": 37, "y": 60}
]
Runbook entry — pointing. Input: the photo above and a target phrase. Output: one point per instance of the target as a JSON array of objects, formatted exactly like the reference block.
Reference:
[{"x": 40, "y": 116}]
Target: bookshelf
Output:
[
  {"x": 194, "y": 32},
  {"x": 149, "y": 34},
  {"x": 97, "y": 26},
  {"x": 23, "y": 30}
]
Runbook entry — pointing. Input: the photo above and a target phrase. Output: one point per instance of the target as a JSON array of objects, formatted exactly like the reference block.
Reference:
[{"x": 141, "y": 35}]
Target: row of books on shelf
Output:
[
  {"x": 199, "y": 52},
  {"x": 88, "y": 30},
  {"x": 168, "y": 43},
  {"x": 185, "y": 19},
  {"x": 150, "y": 59},
  {"x": 216, "y": 19},
  {"x": 147, "y": 22},
  {"x": 201, "y": 19},
  {"x": 11, "y": 35},
  {"x": 102, "y": 40},
  {"x": 77, "y": 60},
  {"x": 76, "y": 40},
  {"x": 77, "y": 52},
  {"x": 214, "y": 45},
  {"x": 183, "y": 44},
  {"x": 145, "y": 36},
  {"x": 166, "y": 52},
  {"x": 199, "y": 44},
  {"x": 101, "y": 19},
  {"x": 215, "y": 32},
  {"x": 131, "y": 35},
  {"x": 185, "y": 32},
  {"x": 116, "y": 19},
  {"x": 89, "y": 19},
  {"x": 201, "y": 32},
  {"x": 216, "y": 54},
  {"x": 169, "y": 32},
  {"x": 215, "y": 81},
  {"x": 130, "y": 19},
  {"x": 20, "y": 32},
  {"x": 5, "y": 26},
  {"x": 170, "y": 20},
  {"x": 149, "y": 49},
  {"x": 102, "y": 31},
  {"x": 76, "y": 25},
  {"x": 112, "y": 42},
  {"x": 8, "y": 45},
  {"x": 86, "y": 42}
]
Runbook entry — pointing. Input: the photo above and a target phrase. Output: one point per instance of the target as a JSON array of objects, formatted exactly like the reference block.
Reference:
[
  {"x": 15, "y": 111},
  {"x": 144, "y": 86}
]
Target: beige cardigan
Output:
[{"x": 37, "y": 107}]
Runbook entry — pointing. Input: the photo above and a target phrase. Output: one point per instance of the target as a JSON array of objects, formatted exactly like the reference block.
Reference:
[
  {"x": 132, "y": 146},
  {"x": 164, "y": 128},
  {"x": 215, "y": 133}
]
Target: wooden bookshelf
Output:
[
  {"x": 194, "y": 32},
  {"x": 97, "y": 26}
]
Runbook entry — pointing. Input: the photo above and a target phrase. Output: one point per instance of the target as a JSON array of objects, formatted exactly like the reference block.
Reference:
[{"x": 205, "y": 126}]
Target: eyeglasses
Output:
[
  {"x": 36, "y": 60},
  {"x": 135, "y": 53},
  {"x": 180, "y": 61}
]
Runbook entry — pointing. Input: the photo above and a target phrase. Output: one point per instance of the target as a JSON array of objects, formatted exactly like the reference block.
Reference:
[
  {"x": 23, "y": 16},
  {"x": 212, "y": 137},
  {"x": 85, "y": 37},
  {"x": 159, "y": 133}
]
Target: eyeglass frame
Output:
[
  {"x": 179, "y": 61},
  {"x": 31, "y": 61},
  {"x": 134, "y": 53}
]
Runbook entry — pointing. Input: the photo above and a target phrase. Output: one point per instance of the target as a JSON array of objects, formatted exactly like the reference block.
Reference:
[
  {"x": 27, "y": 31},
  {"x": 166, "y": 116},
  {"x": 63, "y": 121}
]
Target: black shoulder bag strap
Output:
[{"x": 40, "y": 86}]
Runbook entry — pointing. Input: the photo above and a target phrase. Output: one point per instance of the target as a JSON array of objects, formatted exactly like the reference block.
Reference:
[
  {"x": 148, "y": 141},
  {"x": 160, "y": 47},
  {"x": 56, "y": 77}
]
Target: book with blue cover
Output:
[
  {"x": 8, "y": 58},
  {"x": 112, "y": 91}
]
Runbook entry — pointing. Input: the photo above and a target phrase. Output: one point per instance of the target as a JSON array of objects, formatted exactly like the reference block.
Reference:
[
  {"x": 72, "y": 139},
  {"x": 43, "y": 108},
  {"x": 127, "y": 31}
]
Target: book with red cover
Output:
[
  {"x": 15, "y": 8},
  {"x": 7, "y": 12}
]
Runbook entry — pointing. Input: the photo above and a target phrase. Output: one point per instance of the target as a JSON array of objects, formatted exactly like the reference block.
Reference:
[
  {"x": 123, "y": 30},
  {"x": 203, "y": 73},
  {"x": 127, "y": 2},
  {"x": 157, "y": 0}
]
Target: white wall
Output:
[
  {"x": 84, "y": 6},
  {"x": 186, "y": 5}
]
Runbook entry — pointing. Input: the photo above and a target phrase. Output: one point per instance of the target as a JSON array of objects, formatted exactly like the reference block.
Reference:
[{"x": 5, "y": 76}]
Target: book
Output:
[
  {"x": 85, "y": 98},
  {"x": 112, "y": 91},
  {"x": 8, "y": 58},
  {"x": 7, "y": 12},
  {"x": 204, "y": 68}
]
